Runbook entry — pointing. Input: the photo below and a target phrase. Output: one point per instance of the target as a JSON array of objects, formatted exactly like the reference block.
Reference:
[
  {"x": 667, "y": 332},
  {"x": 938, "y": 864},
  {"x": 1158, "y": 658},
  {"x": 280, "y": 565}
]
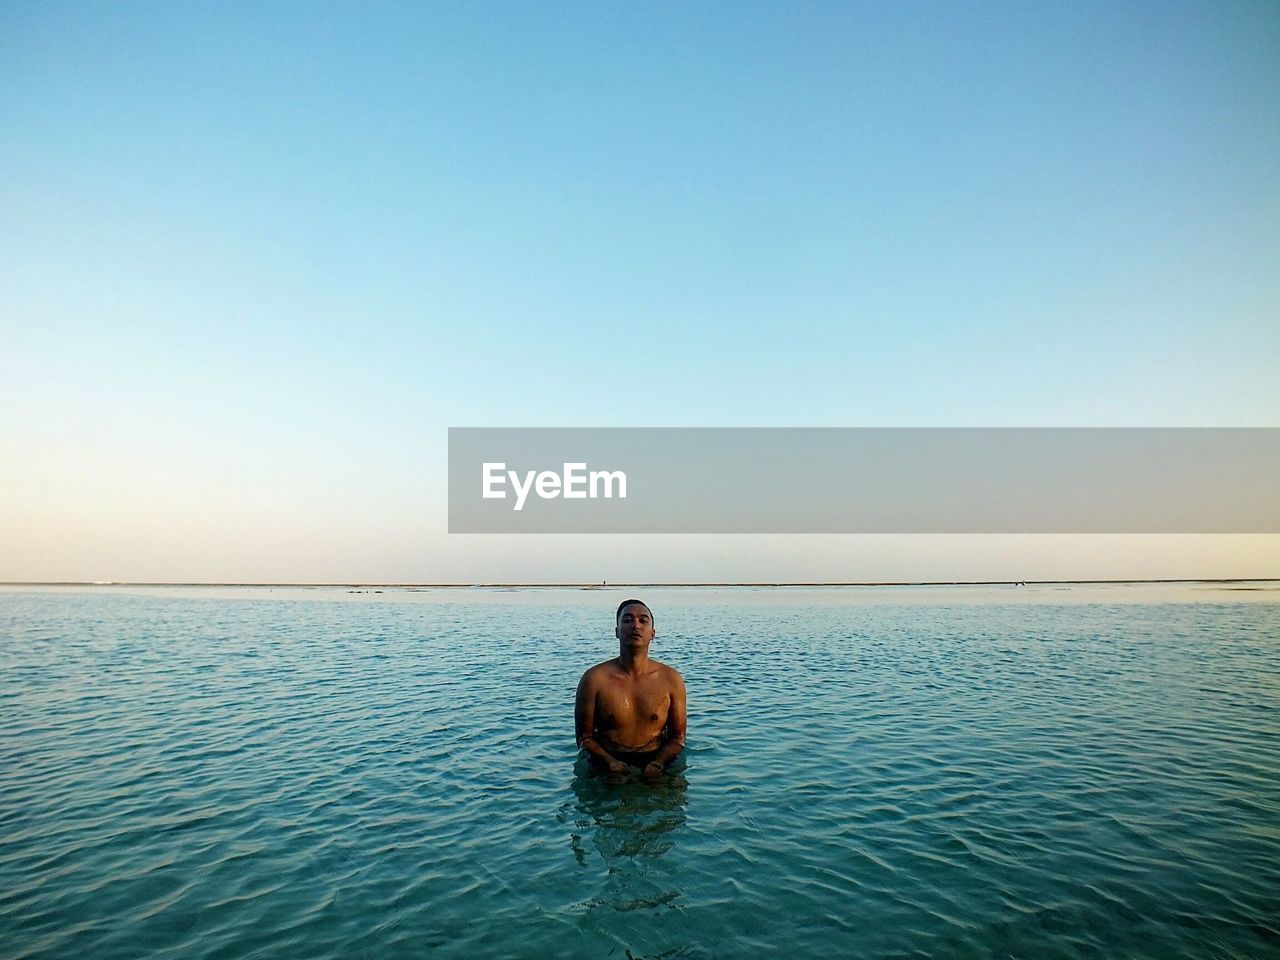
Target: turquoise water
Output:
[{"x": 1038, "y": 773}]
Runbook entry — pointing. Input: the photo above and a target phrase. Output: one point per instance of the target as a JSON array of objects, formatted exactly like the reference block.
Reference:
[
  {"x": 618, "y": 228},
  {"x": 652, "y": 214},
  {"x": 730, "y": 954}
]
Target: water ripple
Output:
[{"x": 208, "y": 778}]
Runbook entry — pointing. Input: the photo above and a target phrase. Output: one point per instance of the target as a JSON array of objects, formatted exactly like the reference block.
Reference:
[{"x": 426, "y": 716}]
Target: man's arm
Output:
[
  {"x": 677, "y": 723},
  {"x": 584, "y": 723}
]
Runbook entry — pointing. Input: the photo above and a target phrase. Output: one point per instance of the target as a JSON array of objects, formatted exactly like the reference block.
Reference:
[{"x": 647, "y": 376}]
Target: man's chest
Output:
[{"x": 634, "y": 700}]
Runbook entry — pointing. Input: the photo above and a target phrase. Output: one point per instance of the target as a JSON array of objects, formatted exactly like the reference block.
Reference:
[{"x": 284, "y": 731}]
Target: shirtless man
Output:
[{"x": 630, "y": 711}]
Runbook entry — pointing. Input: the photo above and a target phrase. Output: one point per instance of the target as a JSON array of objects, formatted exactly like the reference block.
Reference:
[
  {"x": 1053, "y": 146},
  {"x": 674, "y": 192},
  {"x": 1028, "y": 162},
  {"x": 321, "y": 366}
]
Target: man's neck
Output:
[{"x": 634, "y": 664}]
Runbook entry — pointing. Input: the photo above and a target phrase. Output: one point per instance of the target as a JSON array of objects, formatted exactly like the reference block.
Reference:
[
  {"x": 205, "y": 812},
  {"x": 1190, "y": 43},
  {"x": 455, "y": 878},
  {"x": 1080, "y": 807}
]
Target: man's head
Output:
[
  {"x": 633, "y": 626},
  {"x": 628, "y": 603}
]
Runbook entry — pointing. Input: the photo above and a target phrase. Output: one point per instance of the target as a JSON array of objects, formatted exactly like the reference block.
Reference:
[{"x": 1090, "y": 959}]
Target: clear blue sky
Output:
[{"x": 257, "y": 258}]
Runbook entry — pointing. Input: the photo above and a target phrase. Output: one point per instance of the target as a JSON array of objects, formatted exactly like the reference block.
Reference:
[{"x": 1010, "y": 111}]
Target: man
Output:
[{"x": 630, "y": 711}]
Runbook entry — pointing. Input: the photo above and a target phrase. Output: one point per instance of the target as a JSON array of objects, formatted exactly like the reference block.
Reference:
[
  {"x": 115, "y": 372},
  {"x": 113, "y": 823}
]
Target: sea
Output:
[{"x": 1042, "y": 771}]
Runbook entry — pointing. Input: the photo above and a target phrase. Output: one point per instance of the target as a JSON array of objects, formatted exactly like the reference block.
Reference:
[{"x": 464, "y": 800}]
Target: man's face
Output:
[{"x": 635, "y": 628}]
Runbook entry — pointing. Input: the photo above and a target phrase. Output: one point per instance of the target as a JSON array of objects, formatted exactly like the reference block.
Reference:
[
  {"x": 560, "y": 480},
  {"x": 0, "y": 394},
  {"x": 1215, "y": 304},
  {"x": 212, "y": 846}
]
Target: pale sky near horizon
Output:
[{"x": 257, "y": 258}]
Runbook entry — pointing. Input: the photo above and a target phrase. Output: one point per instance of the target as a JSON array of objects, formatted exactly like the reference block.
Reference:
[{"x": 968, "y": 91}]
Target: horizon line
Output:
[{"x": 605, "y": 584}]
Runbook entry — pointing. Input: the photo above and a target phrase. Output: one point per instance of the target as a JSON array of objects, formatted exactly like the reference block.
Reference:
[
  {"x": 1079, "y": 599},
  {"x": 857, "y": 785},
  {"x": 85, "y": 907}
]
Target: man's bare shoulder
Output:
[
  {"x": 599, "y": 671},
  {"x": 669, "y": 674}
]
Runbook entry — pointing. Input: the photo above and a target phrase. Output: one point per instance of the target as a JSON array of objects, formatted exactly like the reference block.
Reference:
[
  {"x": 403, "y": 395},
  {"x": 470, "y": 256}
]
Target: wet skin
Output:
[{"x": 631, "y": 704}]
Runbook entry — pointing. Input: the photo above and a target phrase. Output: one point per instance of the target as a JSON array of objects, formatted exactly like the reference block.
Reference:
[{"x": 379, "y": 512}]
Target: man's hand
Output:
[
  {"x": 653, "y": 769},
  {"x": 617, "y": 766}
]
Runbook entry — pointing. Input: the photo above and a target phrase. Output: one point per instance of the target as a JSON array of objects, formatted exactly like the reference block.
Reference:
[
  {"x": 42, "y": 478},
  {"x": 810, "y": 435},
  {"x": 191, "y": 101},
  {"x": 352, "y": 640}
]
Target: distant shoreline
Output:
[{"x": 606, "y": 585}]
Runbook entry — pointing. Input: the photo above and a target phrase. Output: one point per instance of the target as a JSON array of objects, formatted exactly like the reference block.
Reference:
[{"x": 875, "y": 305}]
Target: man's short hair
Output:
[{"x": 626, "y": 603}]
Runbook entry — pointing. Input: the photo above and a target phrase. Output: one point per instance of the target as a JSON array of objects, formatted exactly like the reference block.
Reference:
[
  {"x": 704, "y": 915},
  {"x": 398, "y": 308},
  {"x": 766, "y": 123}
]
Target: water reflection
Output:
[{"x": 629, "y": 822}]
